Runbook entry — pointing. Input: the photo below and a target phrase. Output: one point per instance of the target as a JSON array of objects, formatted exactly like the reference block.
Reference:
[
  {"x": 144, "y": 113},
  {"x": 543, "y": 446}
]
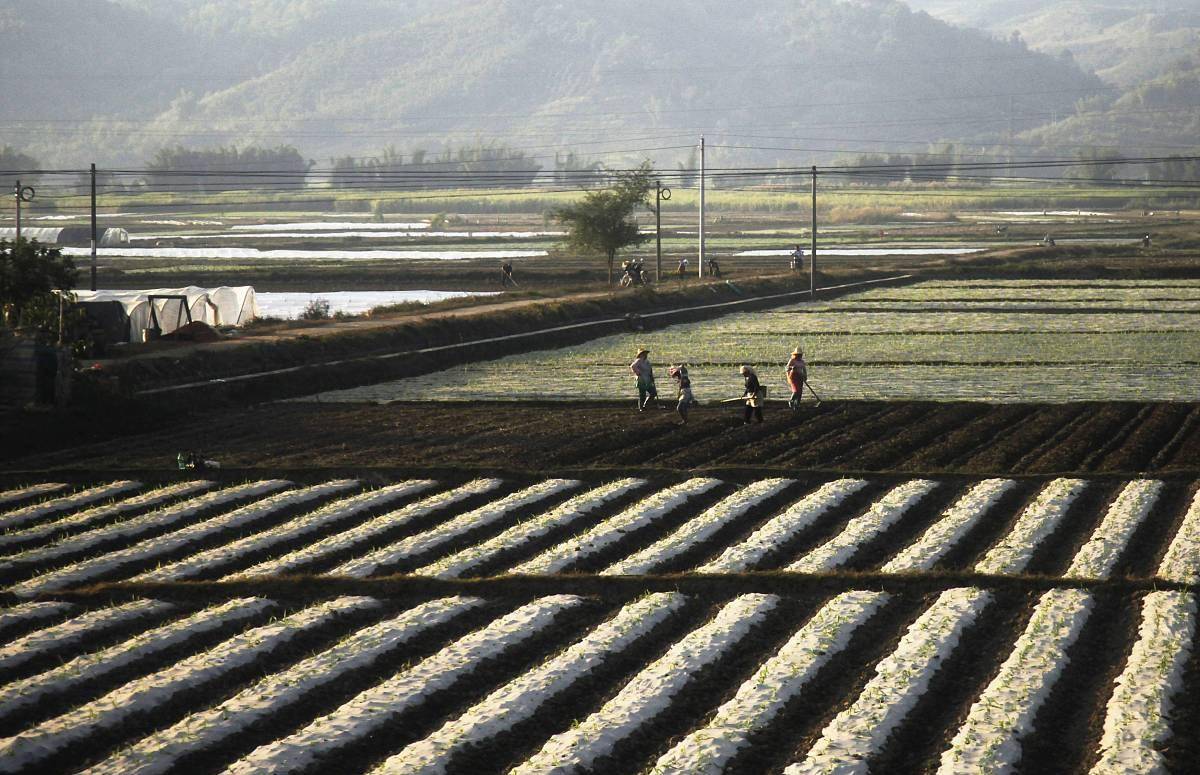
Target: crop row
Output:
[
  {"x": 665, "y": 682},
  {"x": 1020, "y": 343},
  {"x": 629, "y": 527}
]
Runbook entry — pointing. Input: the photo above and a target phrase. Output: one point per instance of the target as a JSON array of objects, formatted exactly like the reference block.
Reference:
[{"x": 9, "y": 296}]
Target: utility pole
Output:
[
  {"x": 660, "y": 195},
  {"x": 95, "y": 231},
  {"x": 702, "y": 168},
  {"x": 812, "y": 256},
  {"x": 21, "y": 194}
]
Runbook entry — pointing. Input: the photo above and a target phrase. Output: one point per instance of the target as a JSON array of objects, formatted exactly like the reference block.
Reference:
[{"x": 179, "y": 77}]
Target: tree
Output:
[
  {"x": 602, "y": 222},
  {"x": 29, "y": 274}
]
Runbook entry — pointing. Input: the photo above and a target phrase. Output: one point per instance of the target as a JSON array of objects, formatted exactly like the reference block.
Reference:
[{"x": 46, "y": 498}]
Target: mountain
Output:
[
  {"x": 1160, "y": 114},
  {"x": 123, "y": 78},
  {"x": 1125, "y": 42}
]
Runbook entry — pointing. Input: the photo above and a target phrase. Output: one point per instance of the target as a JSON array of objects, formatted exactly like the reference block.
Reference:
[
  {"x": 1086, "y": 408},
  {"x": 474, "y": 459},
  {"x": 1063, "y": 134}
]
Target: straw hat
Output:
[
  {"x": 797, "y": 351},
  {"x": 642, "y": 352}
]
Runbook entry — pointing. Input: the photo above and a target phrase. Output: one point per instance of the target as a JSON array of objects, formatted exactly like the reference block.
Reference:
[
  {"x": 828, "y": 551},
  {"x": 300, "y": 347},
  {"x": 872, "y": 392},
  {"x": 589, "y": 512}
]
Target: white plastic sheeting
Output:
[
  {"x": 67, "y": 235},
  {"x": 222, "y": 306}
]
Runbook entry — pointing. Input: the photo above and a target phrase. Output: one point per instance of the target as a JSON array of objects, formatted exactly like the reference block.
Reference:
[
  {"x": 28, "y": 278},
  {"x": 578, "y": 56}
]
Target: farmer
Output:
[
  {"x": 506, "y": 277},
  {"x": 683, "y": 267},
  {"x": 797, "y": 258},
  {"x": 644, "y": 373},
  {"x": 684, "y": 383},
  {"x": 1146, "y": 242},
  {"x": 754, "y": 395},
  {"x": 714, "y": 268},
  {"x": 797, "y": 375}
]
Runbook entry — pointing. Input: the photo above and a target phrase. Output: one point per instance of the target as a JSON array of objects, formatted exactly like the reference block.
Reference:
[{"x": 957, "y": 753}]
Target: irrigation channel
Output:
[{"x": 690, "y": 623}]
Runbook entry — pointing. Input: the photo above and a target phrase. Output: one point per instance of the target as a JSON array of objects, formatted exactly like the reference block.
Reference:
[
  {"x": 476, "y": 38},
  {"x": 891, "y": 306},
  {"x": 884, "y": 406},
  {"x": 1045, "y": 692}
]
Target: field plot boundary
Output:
[{"x": 622, "y": 321}]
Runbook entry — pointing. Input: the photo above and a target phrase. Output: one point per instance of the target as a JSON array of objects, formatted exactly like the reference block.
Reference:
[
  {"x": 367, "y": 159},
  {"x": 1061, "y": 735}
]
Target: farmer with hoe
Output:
[
  {"x": 754, "y": 396},
  {"x": 644, "y": 373},
  {"x": 797, "y": 375},
  {"x": 797, "y": 258},
  {"x": 684, "y": 383},
  {"x": 506, "y": 276}
]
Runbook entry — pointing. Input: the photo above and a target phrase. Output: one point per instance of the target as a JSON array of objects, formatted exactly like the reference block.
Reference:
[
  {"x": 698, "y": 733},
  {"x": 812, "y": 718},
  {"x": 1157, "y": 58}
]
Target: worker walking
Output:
[
  {"x": 684, "y": 384},
  {"x": 797, "y": 376},
  {"x": 644, "y": 373},
  {"x": 755, "y": 395}
]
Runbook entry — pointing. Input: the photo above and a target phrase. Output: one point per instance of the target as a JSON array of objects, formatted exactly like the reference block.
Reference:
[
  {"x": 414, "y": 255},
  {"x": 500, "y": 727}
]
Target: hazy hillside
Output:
[
  {"x": 1123, "y": 41},
  {"x": 1160, "y": 114},
  {"x": 354, "y": 75}
]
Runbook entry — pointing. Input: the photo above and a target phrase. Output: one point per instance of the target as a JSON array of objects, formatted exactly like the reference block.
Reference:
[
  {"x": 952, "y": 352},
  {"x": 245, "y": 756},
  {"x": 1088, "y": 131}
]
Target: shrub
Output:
[{"x": 317, "y": 309}]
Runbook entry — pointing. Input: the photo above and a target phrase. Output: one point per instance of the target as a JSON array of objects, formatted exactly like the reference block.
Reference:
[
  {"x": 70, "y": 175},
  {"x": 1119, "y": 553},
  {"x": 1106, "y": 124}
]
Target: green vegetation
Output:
[
  {"x": 914, "y": 349},
  {"x": 602, "y": 222},
  {"x": 29, "y": 275}
]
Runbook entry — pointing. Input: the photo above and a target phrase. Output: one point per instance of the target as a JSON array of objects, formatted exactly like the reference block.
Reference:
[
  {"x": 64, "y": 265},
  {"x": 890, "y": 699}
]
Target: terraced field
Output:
[
  {"x": 820, "y": 623},
  {"x": 985, "y": 340}
]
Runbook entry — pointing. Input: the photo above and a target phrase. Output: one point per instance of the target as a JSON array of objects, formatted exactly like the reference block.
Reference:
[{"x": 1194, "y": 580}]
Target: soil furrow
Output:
[
  {"x": 886, "y": 453},
  {"x": 822, "y": 529},
  {"x": 1077, "y": 417},
  {"x": 1149, "y": 543},
  {"x": 582, "y": 699},
  {"x": 420, "y": 524},
  {"x": 478, "y": 534},
  {"x": 52, "y": 704},
  {"x": 48, "y": 657},
  {"x": 1000, "y": 454},
  {"x": 103, "y": 743},
  {"x": 1183, "y": 449},
  {"x": 640, "y": 539},
  {"x": 1138, "y": 450},
  {"x": 1181, "y": 750},
  {"x": 330, "y": 697},
  {"x": 527, "y": 550},
  {"x": 1072, "y": 452},
  {"x": 251, "y": 558},
  {"x": 1053, "y": 557},
  {"x": 792, "y": 733},
  {"x": 1068, "y": 726},
  {"x": 1118, "y": 439},
  {"x": 987, "y": 531},
  {"x": 450, "y": 702},
  {"x": 955, "y": 444},
  {"x": 917, "y": 744},
  {"x": 734, "y": 531},
  {"x": 915, "y": 521},
  {"x": 708, "y": 689},
  {"x": 139, "y": 565}
]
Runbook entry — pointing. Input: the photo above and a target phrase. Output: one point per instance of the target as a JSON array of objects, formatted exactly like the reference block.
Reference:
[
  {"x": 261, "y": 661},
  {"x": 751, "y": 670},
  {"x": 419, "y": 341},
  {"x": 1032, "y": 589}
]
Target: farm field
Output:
[
  {"x": 981, "y": 340},
  {"x": 690, "y": 623},
  {"x": 457, "y": 243}
]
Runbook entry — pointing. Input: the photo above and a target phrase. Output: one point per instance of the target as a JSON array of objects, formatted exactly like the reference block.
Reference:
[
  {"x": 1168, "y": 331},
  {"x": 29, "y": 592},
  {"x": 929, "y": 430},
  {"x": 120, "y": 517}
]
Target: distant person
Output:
[
  {"x": 1146, "y": 241},
  {"x": 684, "y": 384},
  {"x": 683, "y": 267},
  {"x": 506, "y": 275},
  {"x": 797, "y": 258},
  {"x": 1048, "y": 241},
  {"x": 714, "y": 268},
  {"x": 644, "y": 373},
  {"x": 637, "y": 272},
  {"x": 755, "y": 395},
  {"x": 797, "y": 375}
]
